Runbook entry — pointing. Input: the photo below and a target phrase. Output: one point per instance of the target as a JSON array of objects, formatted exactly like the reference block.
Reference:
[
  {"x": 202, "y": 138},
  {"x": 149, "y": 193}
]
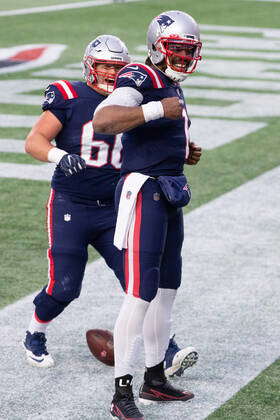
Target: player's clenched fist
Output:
[
  {"x": 71, "y": 164},
  {"x": 195, "y": 153},
  {"x": 172, "y": 108}
]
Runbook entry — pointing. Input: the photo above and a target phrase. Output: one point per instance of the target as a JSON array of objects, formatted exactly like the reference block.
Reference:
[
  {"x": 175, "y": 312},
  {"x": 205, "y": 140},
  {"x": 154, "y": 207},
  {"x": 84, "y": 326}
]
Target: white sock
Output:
[
  {"x": 128, "y": 333},
  {"x": 157, "y": 326},
  {"x": 36, "y": 325}
]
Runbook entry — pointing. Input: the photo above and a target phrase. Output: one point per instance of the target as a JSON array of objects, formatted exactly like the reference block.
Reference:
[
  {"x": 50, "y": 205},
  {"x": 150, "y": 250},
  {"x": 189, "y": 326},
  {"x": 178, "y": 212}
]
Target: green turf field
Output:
[{"x": 22, "y": 210}]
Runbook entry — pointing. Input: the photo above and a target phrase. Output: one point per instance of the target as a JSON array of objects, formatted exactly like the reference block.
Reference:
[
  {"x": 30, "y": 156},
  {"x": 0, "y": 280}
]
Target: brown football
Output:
[{"x": 101, "y": 345}]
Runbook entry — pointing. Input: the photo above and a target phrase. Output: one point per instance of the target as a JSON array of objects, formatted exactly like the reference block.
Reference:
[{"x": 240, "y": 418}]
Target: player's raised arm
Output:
[{"x": 122, "y": 111}]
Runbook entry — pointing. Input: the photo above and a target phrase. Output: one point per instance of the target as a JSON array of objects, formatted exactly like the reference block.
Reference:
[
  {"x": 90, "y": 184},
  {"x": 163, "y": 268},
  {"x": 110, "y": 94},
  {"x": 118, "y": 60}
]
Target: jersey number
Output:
[{"x": 96, "y": 153}]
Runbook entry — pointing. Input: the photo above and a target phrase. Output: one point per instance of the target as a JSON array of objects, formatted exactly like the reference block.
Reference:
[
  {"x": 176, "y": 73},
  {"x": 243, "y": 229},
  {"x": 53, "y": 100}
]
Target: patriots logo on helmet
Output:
[
  {"x": 136, "y": 76},
  {"x": 164, "y": 21},
  {"x": 95, "y": 43}
]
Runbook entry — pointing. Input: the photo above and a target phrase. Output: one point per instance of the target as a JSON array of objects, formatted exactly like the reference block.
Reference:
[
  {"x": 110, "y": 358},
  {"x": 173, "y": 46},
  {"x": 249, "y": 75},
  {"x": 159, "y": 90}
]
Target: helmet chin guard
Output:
[
  {"x": 175, "y": 75},
  {"x": 173, "y": 38},
  {"x": 105, "y": 49}
]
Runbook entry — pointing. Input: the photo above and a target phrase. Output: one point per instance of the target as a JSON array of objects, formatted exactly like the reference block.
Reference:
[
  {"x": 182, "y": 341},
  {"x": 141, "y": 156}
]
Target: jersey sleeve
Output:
[
  {"x": 55, "y": 102},
  {"x": 135, "y": 76}
]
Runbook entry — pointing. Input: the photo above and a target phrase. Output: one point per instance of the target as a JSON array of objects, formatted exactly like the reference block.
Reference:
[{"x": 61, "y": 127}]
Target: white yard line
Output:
[
  {"x": 228, "y": 307},
  {"x": 58, "y": 7},
  {"x": 24, "y": 171},
  {"x": 211, "y": 133},
  {"x": 11, "y": 146}
]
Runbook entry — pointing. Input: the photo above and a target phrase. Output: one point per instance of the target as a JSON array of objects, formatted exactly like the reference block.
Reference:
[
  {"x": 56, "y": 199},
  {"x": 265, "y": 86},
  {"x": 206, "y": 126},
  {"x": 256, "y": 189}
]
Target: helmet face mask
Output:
[
  {"x": 174, "y": 44},
  {"x": 102, "y": 73},
  {"x": 181, "y": 55},
  {"x": 103, "y": 58}
]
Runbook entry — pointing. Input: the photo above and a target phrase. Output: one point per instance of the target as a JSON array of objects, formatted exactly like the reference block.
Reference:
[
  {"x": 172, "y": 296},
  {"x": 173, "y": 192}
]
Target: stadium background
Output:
[{"x": 23, "y": 241}]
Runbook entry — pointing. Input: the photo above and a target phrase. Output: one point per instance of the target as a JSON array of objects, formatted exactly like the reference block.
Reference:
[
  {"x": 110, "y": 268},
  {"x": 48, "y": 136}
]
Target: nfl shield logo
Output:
[
  {"x": 67, "y": 217},
  {"x": 128, "y": 195}
]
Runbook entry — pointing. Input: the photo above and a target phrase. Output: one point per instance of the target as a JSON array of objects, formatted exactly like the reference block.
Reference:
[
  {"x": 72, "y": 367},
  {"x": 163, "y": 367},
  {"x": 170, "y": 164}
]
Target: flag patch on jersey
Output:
[{"x": 136, "y": 76}]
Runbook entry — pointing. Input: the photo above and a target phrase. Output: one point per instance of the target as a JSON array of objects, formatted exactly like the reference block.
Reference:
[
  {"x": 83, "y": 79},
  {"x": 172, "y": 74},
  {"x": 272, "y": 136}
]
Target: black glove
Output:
[{"x": 72, "y": 164}]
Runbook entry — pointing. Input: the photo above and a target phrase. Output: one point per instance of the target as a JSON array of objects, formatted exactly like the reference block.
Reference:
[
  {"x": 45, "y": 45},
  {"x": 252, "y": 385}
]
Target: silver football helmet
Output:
[
  {"x": 174, "y": 36},
  {"x": 109, "y": 51}
]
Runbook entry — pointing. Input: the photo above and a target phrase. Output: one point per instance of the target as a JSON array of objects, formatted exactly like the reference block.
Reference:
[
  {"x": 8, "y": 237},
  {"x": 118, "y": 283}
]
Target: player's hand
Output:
[
  {"x": 72, "y": 164},
  {"x": 172, "y": 108},
  {"x": 194, "y": 154}
]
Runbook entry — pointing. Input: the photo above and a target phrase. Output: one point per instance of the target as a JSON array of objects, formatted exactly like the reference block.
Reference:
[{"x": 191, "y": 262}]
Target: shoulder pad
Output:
[
  {"x": 66, "y": 89},
  {"x": 138, "y": 75},
  {"x": 57, "y": 93}
]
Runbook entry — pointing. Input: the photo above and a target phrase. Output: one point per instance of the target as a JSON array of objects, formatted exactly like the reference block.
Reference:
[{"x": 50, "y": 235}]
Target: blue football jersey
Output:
[
  {"x": 74, "y": 103},
  {"x": 158, "y": 147}
]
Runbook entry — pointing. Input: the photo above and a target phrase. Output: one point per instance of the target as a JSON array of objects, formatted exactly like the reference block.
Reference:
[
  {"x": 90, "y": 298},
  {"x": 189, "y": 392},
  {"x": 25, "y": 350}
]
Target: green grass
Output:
[
  {"x": 14, "y": 133},
  {"x": 231, "y": 165},
  {"x": 259, "y": 400},
  {"x": 22, "y": 4},
  {"x": 19, "y": 109},
  {"x": 23, "y": 239},
  {"x": 18, "y": 158}
]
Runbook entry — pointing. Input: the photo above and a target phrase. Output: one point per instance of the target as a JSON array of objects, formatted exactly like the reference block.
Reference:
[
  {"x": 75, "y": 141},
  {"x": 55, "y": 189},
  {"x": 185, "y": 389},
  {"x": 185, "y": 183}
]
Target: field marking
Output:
[
  {"x": 12, "y": 146},
  {"x": 37, "y": 172},
  {"x": 14, "y": 120},
  {"x": 59, "y": 7},
  {"x": 212, "y": 133},
  {"x": 244, "y": 104},
  {"x": 267, "y": 32},
  {"x": 209, "y": 133},
  {"x": 228, "y": 307}
]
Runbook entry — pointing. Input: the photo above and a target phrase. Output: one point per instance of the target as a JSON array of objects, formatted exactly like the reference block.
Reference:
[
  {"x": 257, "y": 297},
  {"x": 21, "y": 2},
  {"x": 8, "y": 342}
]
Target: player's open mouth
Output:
[
  {"x": 180, "y": 67},
  {"x": 110, "y": 81}
]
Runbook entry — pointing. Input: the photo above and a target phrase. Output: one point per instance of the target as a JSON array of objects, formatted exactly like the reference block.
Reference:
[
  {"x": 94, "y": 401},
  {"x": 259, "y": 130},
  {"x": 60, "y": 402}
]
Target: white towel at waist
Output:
[{"x": 131, "y": 187}]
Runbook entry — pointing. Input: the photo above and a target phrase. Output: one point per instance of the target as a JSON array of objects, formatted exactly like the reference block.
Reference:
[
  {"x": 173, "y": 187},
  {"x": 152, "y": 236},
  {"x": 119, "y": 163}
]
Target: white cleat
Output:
[
  {"x": 178, "y": 360},
  {"x": 36, "y": 350}
]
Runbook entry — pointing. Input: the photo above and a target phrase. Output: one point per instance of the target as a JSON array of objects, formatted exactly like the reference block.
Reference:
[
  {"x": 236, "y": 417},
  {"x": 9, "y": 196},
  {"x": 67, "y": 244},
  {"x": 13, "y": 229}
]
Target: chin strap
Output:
[
  {"x": 105, "y": 87},
  {"x": 175, "y": 75}
]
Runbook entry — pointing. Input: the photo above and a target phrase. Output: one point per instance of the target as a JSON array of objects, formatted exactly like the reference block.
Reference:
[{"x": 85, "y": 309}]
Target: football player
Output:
[
  {"x": 80, "y": 209},
  {"x": 148, "y": 106}
]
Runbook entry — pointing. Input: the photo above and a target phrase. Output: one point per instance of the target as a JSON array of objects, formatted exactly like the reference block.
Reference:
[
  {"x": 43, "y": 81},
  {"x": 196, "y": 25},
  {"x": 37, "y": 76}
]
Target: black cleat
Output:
[
  {"x": 160, "y": 390},
  {"x": 123, "y": 406},
  {"x": 125, "y": 409}
]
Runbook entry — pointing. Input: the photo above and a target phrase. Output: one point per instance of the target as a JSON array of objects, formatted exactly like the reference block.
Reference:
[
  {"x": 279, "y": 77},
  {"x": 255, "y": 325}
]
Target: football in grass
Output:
[{"x": 101, "y": 345}]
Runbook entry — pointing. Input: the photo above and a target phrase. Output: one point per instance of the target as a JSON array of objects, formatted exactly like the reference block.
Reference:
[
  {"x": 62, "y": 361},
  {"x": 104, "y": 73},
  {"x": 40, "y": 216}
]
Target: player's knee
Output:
[
  {"x": 171, "y": 274},
  {"x": 47, "y": 307},
  {"x": 68, "y": 273},
  {"x": 149, "y": 284}
]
